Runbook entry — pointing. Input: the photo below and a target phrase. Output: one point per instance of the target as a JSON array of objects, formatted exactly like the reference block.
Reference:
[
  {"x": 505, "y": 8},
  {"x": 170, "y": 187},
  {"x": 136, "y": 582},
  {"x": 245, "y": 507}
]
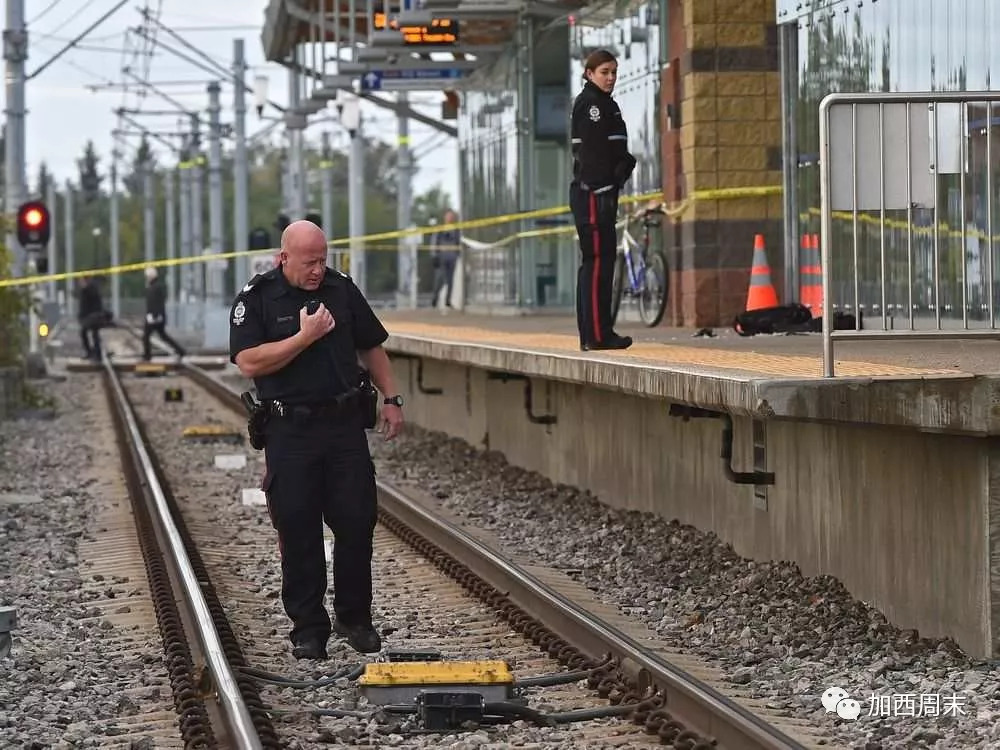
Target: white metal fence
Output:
[{"x": 907, "y": 197}]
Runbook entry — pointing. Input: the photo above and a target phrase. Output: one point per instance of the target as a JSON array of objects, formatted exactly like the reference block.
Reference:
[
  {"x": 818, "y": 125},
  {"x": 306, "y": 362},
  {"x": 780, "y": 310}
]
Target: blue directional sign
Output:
[
  {"x": 371, "y": 81},
  {"x": 422, "y": 74}
]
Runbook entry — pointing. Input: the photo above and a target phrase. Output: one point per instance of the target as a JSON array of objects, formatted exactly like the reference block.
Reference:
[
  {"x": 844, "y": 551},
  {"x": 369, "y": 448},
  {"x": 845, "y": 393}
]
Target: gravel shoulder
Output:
[
  {"x": 86, "y": 665},
  {"x": 786, "y": 637}
]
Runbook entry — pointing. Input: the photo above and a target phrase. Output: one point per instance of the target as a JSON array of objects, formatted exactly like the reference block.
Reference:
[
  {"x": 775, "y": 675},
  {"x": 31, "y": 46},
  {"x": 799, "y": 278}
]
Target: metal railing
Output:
[{"x": 910, "y": 179}]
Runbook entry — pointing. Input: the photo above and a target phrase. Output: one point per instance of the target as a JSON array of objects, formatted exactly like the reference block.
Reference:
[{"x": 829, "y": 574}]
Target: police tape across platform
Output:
[{"x": 377, "y": 241}]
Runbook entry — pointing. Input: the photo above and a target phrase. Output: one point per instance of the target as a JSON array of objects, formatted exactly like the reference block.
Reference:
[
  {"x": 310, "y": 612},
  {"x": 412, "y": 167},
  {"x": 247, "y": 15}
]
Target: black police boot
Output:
[
  {"x": 612, "y": 342},
  {"x": 362, "y": 638},
  {"x": 309, "y": 648}
]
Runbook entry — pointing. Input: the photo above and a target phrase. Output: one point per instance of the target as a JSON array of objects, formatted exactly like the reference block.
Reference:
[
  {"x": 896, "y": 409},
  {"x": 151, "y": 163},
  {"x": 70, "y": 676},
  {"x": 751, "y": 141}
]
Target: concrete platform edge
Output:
[{"x": 954, "y": 404}]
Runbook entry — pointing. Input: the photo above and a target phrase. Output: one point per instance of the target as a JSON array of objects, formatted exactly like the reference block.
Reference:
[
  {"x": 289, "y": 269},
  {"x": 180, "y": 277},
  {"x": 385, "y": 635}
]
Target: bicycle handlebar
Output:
[{"x": 649, "y": 210}]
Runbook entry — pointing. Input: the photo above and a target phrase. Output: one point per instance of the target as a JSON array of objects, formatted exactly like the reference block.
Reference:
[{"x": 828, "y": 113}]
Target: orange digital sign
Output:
[{"x": 441, "y": 30}]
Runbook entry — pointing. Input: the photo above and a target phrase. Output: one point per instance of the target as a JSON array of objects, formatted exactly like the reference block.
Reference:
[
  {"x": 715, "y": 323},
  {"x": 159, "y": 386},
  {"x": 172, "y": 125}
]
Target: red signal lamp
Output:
[{"x": 33, "y": 225}]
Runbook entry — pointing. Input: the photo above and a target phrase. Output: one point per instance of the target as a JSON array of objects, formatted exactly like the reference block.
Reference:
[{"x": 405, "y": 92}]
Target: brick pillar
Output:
[{"x": 730, "y": 137}]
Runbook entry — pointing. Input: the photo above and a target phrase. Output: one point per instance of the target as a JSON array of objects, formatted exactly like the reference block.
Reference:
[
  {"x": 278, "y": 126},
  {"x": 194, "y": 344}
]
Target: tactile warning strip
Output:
[{"x": 662, "y": 355}]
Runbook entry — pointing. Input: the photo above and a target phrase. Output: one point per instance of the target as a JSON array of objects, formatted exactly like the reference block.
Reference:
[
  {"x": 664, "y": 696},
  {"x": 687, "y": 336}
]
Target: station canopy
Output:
[{"x": 399, "y": 45}]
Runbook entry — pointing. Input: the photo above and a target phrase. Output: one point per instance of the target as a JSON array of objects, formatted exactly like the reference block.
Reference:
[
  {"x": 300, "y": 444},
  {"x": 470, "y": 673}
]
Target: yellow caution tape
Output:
[{"x": 372, "y": 241}]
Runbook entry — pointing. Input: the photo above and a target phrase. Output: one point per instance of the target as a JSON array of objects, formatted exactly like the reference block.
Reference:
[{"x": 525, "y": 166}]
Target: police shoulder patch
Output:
[
  {"x": 594, "y": 112},
  {"x": 239, "y": 313}
]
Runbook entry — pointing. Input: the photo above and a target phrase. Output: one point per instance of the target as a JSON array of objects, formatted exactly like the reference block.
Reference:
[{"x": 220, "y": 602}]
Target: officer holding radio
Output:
[{"x": 299, "y": 331}]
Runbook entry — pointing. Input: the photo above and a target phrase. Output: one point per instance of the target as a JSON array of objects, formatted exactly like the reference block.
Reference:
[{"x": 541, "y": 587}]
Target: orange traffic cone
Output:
[
  {"x": 761, "y": 292},
  {"x": 811, "y": 275}
]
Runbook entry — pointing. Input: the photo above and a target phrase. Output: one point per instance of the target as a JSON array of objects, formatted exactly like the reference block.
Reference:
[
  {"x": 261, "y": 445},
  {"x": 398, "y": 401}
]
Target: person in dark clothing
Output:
[
  {"x": 92, "y": 317},
  {"x": 602, "y": 165},
  {"x": 156, "y": 315},
  {"x": 298, "y": 331},
  {"x": 447, "y": 249}
]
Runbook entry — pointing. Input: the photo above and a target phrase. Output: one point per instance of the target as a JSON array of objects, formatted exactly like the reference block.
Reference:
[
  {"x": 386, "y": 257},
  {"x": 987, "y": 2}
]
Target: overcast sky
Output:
[{"x": 63, "y": 113}]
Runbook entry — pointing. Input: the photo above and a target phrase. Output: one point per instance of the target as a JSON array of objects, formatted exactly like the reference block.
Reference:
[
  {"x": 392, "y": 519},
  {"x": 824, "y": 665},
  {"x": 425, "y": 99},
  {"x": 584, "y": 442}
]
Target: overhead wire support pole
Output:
[
  {"x": 213, "y": 275},
  {"x": 77, "y": 39},
  {"x": 241, "y": 170},
  {"x": 149, "y": 212},
  {"x": 68, "y": 227},
  {"x": 15, "y": 52}
]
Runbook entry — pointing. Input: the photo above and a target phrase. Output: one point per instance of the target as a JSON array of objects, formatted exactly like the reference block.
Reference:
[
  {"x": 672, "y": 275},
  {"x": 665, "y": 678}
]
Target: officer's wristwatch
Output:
[{"x": 393, "y": 401}]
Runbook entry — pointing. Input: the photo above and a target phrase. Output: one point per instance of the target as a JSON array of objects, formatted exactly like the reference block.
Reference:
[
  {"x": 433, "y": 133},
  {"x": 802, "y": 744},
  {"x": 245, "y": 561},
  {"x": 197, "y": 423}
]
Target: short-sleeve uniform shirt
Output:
[{"x": 267, "y": 310}]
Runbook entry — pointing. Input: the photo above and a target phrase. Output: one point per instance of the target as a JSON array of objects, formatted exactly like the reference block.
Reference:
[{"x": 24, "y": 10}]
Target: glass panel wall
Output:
[
  {"x": 488, "y": 143},
  {"x": 635, "y": 40},
  {"x": 899, "y": 46},
  {"x": 487, "y": 135}
]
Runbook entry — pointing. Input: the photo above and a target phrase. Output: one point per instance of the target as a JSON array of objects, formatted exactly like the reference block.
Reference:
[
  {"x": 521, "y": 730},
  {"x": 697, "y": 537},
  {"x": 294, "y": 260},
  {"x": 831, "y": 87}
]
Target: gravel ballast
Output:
[
  {"x": 787, "y": 637},
  {"x": 86, "y": 666}
]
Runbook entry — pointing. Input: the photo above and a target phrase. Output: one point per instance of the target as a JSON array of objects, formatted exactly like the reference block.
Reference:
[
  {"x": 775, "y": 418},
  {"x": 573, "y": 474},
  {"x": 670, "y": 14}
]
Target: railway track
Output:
[
  {"x": 228, "y": 679},
  {"x": 556, "y": 614}
]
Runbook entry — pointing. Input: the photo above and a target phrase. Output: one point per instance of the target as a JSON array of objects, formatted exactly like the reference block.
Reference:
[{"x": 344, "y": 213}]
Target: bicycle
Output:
[{"x": 648, "y": 279}]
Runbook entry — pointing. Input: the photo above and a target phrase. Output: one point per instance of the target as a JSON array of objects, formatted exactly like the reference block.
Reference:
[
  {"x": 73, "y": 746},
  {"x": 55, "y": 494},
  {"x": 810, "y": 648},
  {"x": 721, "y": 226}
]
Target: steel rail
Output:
[
  {"x": 230, "y": 699},
  {"x": 695, "y": 704}
]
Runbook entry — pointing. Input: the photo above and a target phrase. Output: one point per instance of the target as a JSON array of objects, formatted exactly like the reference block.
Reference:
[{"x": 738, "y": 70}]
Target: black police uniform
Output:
[
  {"x": 156, "y": 319},
  {"x": 319, "y": 468},
  {"x": 601, "y": 166},
  {"x": 91, "y": 315}
]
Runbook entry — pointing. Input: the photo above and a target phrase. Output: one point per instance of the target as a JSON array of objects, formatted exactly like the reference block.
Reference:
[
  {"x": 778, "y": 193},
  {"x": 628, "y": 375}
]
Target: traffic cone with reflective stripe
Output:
[
  {"x": 761, "y": 293},
  {"x": 811, "y": 276}
]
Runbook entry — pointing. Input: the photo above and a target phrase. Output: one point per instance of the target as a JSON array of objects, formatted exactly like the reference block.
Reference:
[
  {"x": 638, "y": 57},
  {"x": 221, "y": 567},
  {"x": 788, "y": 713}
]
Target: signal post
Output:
[{"x": 34, "y": 228}]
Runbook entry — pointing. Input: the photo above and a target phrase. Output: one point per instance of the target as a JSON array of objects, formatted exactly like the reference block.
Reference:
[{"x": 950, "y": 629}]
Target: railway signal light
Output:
[{"x": 33, "y": 225}]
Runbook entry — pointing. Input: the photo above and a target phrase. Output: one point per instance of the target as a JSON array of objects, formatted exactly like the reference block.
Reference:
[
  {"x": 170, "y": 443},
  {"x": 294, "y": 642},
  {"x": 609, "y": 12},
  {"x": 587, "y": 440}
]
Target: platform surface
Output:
[{"x": 950, "y": 386}]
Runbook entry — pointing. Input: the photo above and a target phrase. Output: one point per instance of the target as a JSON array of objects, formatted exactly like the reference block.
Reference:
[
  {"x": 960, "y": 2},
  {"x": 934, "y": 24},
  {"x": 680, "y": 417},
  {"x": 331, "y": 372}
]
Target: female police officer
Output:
[
  {"x": 303, "y": 363},
  {"x": 601, "y": 167}
]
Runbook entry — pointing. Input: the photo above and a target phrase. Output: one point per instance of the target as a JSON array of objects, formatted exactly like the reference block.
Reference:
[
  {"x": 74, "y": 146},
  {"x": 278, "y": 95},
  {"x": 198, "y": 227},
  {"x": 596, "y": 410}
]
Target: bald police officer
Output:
[{"x": 304, "y": 365}]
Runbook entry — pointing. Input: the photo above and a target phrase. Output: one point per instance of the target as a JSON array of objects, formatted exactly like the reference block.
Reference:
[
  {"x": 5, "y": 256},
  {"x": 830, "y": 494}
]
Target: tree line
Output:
[{"x": 92, "y": 205}]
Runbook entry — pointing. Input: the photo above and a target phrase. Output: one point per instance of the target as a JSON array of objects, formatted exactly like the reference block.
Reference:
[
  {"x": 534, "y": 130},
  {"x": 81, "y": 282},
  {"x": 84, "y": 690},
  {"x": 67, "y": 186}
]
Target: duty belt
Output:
[
  {"x": 597, "y": 191},
  {"x": 315, "y": 409}
]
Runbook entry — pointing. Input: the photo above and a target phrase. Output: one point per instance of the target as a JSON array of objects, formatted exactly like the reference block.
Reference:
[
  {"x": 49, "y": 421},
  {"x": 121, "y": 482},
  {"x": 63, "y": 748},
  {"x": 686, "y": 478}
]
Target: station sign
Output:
[{"x": 441, "y": 30}]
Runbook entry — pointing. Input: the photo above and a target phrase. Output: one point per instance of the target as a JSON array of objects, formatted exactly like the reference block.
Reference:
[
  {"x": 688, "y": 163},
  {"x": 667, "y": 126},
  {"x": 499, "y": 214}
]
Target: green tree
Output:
[
  {"x": 43, "y": 181},
  {"x": 430, "y": 205},
  {"x": 13, "y": 305},
  {"x": 144, "y": 157},
  {"x": 265, "y": 202},
  {"x": 90, "y": 176}
]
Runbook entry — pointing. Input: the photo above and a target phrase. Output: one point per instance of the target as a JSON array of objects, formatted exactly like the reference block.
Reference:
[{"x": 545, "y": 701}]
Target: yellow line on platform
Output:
[{"x": 663, "y": 355}]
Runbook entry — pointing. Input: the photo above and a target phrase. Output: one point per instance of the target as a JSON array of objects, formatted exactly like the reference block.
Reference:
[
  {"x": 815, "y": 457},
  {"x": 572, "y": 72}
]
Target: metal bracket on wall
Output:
[
  {"x": 420, "y": 373},
  {"x": 504, "y": 377},
  {"x": 737, "y": 477}
]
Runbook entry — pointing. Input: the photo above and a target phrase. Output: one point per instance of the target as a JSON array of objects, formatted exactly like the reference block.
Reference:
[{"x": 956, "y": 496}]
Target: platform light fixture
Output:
[{"x": 260, "y": 85}]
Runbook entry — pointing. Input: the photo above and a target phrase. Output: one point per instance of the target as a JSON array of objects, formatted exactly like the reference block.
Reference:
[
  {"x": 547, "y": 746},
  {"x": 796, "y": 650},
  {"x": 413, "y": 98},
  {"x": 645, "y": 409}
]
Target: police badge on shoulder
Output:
[{"x": 239, "y": 313}]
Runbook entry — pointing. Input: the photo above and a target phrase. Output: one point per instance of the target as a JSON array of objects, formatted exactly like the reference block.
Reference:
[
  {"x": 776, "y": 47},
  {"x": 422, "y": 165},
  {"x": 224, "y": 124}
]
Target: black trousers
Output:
[
  {"x": 90, "y": 337},
  {"x": 594, "y": 215},
  {"x": 319, "y": 470},
  {"x": 160, "y": 329}
]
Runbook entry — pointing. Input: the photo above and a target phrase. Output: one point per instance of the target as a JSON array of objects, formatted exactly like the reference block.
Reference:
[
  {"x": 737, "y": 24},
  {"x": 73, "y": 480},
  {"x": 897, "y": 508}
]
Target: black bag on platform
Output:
[{"x": 793, "y": 318}]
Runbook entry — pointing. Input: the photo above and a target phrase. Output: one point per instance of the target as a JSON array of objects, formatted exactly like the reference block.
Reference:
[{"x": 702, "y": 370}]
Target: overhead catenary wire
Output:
[{"x": 44, "y": 12}]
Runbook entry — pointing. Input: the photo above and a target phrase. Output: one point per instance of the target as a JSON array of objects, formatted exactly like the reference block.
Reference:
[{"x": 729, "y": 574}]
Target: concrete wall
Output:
[{"x": 901, "y": 517}]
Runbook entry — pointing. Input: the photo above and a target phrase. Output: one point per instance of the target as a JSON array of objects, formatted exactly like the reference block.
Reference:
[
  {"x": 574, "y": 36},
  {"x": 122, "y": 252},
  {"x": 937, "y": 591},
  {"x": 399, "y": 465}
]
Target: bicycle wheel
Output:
[
  {"x": 655, "y": 288},
  {"x": 617, "y": 287}
]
